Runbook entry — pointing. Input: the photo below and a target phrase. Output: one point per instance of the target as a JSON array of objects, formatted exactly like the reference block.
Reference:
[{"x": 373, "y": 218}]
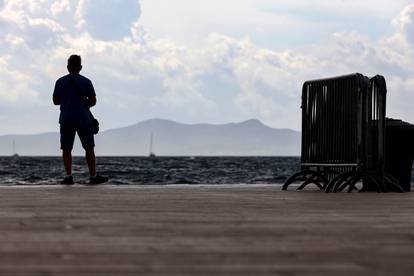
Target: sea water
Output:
[{"x": 157, "y": 171}]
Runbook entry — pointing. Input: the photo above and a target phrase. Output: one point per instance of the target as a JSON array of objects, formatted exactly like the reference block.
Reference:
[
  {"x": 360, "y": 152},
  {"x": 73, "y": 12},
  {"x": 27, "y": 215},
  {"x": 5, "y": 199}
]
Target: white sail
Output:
[
  {"x": 151, "y": 152},
  {"x": 14, "y": 152}
]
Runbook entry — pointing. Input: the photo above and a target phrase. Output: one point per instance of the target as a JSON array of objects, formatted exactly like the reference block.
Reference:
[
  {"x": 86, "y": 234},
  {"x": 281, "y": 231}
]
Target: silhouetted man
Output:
[{"x": 75, "y": 95}]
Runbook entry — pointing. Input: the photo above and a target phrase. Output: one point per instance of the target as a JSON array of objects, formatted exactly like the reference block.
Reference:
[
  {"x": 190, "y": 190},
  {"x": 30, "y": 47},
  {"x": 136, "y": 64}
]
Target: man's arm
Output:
[
  {"x": 56, "y": 100},
  {"x": 92, "y": 101},
  {"x": 91, "y": 95}
]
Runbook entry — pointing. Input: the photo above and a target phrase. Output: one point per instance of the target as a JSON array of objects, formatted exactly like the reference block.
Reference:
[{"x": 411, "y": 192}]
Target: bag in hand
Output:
[{"x": 95, "y": 125}]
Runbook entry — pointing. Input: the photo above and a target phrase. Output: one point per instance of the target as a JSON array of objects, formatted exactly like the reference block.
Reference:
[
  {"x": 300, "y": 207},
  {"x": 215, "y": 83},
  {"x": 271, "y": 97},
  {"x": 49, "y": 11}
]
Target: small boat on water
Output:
[
  {"x": 14, "y": 153},
  {"x": 151, "y": 152}
]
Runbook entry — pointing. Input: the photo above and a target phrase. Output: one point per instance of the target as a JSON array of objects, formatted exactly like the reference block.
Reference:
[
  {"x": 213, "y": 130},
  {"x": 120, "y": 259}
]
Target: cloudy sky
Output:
[{"x": 198, "y": 61}]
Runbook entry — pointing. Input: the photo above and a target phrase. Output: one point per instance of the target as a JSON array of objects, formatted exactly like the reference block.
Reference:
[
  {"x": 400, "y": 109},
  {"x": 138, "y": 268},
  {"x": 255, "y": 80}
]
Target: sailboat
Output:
[
  {"x": 151, "y": 153},
  {"x": 14, "y": 153}
]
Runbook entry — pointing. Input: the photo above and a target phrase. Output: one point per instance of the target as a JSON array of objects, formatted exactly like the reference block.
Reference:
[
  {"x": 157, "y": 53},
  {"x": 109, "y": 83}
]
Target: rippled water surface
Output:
[{"x": 160, "y": 170}]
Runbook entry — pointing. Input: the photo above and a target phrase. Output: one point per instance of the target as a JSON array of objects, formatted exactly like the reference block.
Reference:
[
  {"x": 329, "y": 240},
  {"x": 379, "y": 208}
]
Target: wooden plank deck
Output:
[{"x": 203, "y": 230}]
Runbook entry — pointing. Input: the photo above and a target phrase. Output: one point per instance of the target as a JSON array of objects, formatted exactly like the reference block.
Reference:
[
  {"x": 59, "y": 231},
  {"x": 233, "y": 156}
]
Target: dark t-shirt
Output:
[{"x": 73, "y": 91}]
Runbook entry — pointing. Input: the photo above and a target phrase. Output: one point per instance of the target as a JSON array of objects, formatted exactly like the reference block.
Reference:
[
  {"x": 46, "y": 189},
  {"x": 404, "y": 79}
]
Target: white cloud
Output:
[
  {"x": 109, "y": 19},
  {"x": 405, "y": 24},
  {"x": 269, "y": 23},
  {"x": 58, "y": 7},
  {"x": 14, "y": 85},
  {"x": 139, "y": 74}
]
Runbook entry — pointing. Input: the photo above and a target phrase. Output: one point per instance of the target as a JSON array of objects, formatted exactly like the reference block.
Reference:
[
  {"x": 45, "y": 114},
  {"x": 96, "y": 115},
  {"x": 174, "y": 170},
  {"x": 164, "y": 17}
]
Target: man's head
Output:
[{"x": 74, "y": 64}]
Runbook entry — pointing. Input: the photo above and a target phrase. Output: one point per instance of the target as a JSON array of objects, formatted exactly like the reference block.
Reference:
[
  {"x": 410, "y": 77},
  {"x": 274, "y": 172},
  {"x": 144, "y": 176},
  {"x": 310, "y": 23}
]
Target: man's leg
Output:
[
  {"x": 67, "y": 161},
  {"x": 88, "y": 143},
  {"x": 91, "y": 160},
  {"x": 67, "y": 137}
]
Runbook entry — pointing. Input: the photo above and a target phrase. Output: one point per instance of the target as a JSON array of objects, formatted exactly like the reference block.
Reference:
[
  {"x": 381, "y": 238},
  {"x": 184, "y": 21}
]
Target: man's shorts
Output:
[{"x": 67, "y": 136}]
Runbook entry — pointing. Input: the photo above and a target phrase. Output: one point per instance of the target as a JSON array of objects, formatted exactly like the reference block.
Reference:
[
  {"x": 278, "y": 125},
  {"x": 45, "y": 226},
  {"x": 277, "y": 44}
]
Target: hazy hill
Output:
[{"x": 171, "y": 138}]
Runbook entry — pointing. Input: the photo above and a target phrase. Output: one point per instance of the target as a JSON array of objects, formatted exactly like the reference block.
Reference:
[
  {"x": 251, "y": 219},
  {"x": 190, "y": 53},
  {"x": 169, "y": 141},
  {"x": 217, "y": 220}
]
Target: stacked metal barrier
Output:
[{"x": 343, "y": 132}]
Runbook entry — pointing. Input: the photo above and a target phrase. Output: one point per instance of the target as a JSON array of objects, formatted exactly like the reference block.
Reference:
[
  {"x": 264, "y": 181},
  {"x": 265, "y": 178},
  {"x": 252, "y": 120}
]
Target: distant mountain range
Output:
[{"x": 249, "y": 138}]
